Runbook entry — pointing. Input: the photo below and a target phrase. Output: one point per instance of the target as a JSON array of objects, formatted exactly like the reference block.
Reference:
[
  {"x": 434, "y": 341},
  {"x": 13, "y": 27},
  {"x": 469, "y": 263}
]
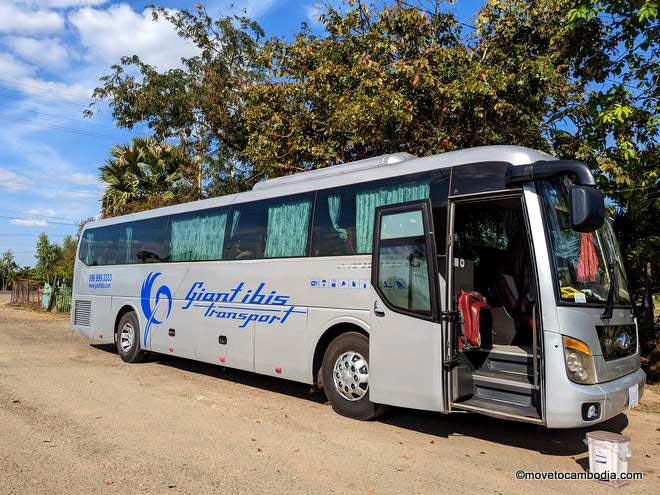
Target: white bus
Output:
[{"x": 484, "y": 280}]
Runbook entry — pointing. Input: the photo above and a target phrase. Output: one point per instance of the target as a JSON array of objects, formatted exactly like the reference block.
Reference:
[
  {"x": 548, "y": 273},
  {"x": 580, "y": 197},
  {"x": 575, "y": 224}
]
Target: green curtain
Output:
[
  {"x": 90, "y": 244},
  {"x": 198, "y": 237},
  {"x": 334, "y": 208},
  {"x": 367, "y": 201},
  {"x": 288, "y": 226},
  {"x": 235, "y": 218},
  {"x": 129, "y": 238}
]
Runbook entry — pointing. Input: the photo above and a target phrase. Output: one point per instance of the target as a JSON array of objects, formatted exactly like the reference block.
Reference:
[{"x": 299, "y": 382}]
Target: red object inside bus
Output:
[{"x": 470, "y": 304}]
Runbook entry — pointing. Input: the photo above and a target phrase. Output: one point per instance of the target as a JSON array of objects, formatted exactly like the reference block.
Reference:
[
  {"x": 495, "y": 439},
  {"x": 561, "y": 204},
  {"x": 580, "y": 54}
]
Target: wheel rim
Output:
[
  {"x": 351, "y": 375},
  {"x": 127, "y": 337}
]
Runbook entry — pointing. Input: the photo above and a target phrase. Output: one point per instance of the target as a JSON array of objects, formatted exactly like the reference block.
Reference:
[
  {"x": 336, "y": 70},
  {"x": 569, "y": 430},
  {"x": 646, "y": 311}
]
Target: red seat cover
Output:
[{"x": 470, "y": 305}]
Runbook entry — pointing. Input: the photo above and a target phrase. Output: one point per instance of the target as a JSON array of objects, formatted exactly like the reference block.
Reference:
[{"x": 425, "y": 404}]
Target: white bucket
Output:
[{"x": 608, "y": 453}]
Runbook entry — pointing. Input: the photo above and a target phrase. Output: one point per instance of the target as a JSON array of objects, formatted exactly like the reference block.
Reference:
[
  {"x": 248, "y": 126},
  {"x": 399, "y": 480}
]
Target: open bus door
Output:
[
  {"x": 405, "y": 352},
  {"x": 493, "y": 348}
]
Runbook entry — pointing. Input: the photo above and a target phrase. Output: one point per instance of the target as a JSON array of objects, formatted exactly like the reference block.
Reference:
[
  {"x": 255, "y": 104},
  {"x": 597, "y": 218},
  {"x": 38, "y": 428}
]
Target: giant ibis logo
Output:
[{"x": 163, "y": 293}]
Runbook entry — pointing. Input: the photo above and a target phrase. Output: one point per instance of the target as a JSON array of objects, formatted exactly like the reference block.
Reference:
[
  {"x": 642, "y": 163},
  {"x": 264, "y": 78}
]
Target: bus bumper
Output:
[{"x": 612, "y": 397}]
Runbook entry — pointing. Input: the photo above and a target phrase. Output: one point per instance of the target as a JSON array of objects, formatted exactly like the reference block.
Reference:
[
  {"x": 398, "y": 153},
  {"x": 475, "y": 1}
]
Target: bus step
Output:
[{"x": 503, "y": 361}]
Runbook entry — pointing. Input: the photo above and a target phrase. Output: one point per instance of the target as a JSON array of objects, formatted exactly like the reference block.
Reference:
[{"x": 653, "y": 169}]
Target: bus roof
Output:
[{"x": 380, "y": 167}]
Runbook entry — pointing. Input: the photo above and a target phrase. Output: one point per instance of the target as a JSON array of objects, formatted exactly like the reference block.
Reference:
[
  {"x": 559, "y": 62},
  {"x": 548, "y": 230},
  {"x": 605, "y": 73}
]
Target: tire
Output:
[
  {"x": 128, "y": 339},
  {"x": 351, "y": 348}
]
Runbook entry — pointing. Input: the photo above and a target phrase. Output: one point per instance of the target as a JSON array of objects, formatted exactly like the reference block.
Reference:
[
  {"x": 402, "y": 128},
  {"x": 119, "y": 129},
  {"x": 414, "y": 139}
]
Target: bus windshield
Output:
[{"x": 586, "y": 262}]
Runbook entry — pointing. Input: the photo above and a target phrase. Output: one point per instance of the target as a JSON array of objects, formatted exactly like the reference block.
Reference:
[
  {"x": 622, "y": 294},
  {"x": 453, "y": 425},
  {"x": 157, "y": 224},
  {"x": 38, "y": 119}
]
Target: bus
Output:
[{"x": 485, "y": 280}]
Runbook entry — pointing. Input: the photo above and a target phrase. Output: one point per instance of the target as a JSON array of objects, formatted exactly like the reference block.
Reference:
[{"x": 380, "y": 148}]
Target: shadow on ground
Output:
[{"x": 519, "y": 435}]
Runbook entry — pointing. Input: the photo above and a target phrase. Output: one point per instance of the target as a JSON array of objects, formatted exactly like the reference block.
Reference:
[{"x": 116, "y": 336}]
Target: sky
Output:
[{"x": 52, "y": 53}]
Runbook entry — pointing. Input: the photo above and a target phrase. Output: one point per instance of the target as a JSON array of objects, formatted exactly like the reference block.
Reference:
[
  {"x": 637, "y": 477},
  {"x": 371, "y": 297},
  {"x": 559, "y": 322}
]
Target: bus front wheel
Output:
[
  {"x": 128, "y": 339},
  {"x": 345, "y": 371}
]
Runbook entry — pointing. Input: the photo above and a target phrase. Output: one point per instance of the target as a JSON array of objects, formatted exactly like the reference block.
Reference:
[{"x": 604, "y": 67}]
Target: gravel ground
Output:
[{"x": 75, "y": 419}]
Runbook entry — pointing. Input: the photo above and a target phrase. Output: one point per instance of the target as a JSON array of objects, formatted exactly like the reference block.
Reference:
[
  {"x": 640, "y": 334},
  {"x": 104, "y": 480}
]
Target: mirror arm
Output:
[{"x": 517, "y": 175}]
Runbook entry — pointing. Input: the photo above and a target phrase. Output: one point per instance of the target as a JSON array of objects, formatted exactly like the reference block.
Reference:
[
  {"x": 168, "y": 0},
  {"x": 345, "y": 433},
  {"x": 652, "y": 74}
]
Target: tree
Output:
[
  {"x": 145, "y": 174},
  {"x": 8, "y": 269},
  {"x": 200, "y": 104},
  {"x": 49, "y": 257},
  {"x": 65, "y": 266}
]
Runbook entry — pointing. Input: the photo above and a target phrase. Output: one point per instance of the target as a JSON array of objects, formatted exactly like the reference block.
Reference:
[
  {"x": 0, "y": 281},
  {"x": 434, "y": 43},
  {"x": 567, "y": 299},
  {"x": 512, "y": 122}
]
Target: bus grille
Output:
[{"x": 82, "y": 313}]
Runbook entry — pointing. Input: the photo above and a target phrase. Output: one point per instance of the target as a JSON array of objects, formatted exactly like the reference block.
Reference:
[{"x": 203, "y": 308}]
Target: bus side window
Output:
[
  {"x": 247, "y": 231},
  {"x": 105, "y": 246},
  {"x": 287, "y": 230},
  {"x": 334, "y": 223},
  {"x": 198, "y": 235},
  {"x": 143, "y": 241}
]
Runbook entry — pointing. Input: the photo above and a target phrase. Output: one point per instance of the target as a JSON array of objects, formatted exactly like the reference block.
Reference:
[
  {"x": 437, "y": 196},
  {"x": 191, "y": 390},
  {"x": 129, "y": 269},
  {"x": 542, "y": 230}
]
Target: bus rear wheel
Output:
[
  {"x": 345, "y": 372},
  {"x": 128, "y": 339}
]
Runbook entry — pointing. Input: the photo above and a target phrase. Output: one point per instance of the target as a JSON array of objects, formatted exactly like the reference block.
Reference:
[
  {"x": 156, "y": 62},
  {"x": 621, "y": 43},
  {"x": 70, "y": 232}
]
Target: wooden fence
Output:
[{"x": 34, "y": 294}]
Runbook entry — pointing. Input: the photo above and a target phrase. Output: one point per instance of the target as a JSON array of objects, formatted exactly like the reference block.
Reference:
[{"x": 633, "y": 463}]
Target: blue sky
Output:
[{"x": 52, "y": 53}]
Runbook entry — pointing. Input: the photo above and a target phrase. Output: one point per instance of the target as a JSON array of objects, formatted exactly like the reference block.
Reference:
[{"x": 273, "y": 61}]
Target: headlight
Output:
[{"x": 579, "y": 362}]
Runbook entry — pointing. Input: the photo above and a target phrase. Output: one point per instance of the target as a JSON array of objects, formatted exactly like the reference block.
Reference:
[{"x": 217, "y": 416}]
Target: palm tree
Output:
[{"x": 145, "y": 174}]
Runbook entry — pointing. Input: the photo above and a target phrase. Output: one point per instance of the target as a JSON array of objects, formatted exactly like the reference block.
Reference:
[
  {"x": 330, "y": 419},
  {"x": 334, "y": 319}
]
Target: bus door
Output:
[
  {"x": 405, "y": 339},
  {"x": 493, "y": 347}
]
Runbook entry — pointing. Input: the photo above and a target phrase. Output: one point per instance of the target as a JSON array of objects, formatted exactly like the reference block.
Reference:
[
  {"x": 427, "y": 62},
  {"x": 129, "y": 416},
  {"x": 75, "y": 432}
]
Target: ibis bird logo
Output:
[{"x": 162, "y": 294}]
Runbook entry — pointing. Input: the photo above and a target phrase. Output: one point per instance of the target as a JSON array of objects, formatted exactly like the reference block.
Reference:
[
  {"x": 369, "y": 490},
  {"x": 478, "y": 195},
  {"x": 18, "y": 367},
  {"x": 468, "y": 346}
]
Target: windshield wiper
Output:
[{"x": 607, "y": 314}]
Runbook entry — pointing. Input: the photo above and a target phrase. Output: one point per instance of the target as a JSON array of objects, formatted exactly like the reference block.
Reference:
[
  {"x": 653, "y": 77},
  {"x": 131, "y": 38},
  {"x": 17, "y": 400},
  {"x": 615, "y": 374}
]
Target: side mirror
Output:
[{"x": 587, "y": 208}]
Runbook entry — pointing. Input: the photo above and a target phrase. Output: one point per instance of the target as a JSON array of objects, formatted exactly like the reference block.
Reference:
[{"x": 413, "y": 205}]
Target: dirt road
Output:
[{"x": 75, "y": 419}]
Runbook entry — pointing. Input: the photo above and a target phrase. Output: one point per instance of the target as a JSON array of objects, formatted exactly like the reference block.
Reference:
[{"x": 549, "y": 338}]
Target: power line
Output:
[
  {"x": 43, "y": 98},
  {"x": 33, "y": 235},
  {"x": 44, "y": 89},
  {"x": 21, "y": 184},
  {"x": 33, "y": 220},
  {"x": 59, "y": 128},
  {"x": 103, "y": 126},
  {"x": 23, "y": 212}
]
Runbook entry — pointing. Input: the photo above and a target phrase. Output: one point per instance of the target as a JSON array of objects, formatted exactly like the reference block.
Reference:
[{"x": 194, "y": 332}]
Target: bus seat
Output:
[{"x": 511, "y": 300}]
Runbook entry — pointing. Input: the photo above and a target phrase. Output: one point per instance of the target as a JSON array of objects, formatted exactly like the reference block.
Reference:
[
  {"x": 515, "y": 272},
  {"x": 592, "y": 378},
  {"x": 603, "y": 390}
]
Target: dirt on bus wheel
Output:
[{"x": 74, "y": 418}]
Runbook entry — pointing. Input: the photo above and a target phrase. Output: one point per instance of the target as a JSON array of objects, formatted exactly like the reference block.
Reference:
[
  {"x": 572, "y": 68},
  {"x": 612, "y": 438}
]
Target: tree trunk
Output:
[{"x": 648, "y": 294}]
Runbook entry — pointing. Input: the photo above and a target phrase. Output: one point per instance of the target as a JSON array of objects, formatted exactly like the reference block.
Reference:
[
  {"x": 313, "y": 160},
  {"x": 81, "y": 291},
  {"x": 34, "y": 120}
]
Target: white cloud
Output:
[
  {"x": 29, "y": 223},
  {"x": 12, "y": 182},
  {"x": 42, "y": 213},
  {"x": 84, "y": 179},
  {"x": 46, "y": 52},
  {"x": 18, "y": 17},
  {"x": 64, "y": 4},
  {"x": 312, "y": 12},
  {"x": 12, "y": 68},
  {"x": 110, "y": 33}
]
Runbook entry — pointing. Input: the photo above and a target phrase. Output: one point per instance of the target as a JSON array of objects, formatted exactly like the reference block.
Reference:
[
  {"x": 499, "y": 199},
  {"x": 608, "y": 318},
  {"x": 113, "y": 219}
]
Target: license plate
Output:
[{"x": 633, "y": 396}]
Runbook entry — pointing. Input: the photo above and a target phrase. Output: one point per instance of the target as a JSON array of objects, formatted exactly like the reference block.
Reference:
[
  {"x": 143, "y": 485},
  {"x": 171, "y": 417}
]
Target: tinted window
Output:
[
  {"x": 334, "y": 226},
  {"x": 247, "y": 231},
  {"x": 100, "y": 246},
  {"x": 144, "y": 241}
]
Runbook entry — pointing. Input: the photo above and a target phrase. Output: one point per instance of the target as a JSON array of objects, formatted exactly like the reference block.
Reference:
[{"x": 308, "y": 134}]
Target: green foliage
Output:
[
  {"x": 8, "y": 269},
  {"x": 49, "y": 258},
  {"x": 146, "y": 174}
]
